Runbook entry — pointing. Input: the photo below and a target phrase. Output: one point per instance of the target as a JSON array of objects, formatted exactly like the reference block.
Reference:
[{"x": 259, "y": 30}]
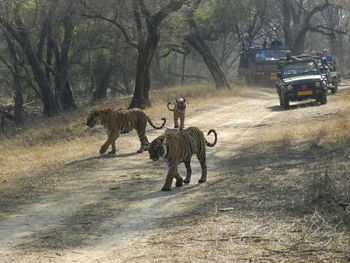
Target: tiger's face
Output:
[
  {"x": 181, "y": 104},
  {"x": 156, "y": 149},
  {"x": 92, "y": 119}
]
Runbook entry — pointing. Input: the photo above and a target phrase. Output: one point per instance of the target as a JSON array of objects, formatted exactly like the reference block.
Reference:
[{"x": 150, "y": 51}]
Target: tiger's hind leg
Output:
[
  {"x": 203, "y": 162},
  {"x": 188, "y": 172},
  {"x": 113, "y": 151},
  {"x": 179, "y": 181},
  {"x": 143, "y": 140}
]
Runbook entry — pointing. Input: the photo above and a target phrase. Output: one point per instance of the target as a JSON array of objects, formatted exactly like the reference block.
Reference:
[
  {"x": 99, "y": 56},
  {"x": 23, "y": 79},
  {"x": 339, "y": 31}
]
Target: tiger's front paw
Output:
[
  {"x": 140, "y": 151},
  {"x": 179, "y": 182},
  {"x": 166, "y": 188},
  {"x": 187, "y": 181},
  {"x": 111, "y": 152},
  {"x": 103, "y": 150},
  {"x": 201, "y": 181}
]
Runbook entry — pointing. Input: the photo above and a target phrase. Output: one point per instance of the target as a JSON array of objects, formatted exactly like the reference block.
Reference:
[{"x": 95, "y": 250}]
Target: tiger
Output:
[
  {"x": 119, "y": 122},
  {"x": 179, "y": 147},
  {"x": 179, "y": 112}
]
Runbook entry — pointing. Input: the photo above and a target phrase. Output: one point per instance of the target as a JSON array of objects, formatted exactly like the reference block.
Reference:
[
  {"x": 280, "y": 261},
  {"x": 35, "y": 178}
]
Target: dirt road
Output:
[{"x": 111, "y": 209}]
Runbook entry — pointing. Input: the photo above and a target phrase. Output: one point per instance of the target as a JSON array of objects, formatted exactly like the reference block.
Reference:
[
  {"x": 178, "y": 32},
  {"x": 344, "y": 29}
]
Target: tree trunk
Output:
[
  {"x": 183, "y": 68},
  {"x": 66, "y": 98},
  {"x": 144, "y": 60},
  {"x": 18, "y": 98},
  {"x": 126, "y": 81},
  {"x": 147, "y": 49},
  {"x": 298, "y": 46},
  {"x": 101, "y": 90},
  {"x": 142, "y": 82},
  {"x": 195, "y": 40},
  {"x": 64, "y": 94},
  {"x": 197, "y": 43},
  {"x": 22, "y": 37},
  {"x": 157, "y": 72}
]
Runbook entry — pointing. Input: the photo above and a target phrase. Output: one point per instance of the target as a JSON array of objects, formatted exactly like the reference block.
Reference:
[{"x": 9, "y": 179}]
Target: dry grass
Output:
[
  {"x": 48, "y": 143},
  {"x": 329, "y": 130}
]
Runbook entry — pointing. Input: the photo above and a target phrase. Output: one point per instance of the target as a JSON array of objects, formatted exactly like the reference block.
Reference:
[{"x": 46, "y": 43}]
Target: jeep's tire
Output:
[
  {"x": 323, "y": 98},
  {"x": 334, "y": 89},
  {"x": 285, "y": 102}
]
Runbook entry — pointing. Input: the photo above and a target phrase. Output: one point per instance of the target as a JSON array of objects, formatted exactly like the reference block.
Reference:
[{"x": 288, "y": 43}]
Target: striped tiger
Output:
[
  {"x": 121, "y": 121},
  {"x": 179, "y": 147},
  {"x": 179, "y": 112}
]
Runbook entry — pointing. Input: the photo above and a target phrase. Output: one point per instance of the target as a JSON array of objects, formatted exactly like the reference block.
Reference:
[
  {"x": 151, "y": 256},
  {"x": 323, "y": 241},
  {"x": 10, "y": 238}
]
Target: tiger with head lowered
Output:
[
  {"x": 179, "y": 147},
  {"x": 179, "y": 112},
  {"x": 121, "y": 121}
]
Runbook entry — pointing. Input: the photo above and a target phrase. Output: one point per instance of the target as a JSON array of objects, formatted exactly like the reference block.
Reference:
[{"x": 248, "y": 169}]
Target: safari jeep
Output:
[
  {"x": 331, "y": 77},
  {"x": 300, "y": 80}
]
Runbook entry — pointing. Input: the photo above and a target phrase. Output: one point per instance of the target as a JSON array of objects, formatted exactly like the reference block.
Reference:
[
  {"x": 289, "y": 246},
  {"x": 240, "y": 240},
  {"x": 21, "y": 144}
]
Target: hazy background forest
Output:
[{"x": 63, "y": 54}]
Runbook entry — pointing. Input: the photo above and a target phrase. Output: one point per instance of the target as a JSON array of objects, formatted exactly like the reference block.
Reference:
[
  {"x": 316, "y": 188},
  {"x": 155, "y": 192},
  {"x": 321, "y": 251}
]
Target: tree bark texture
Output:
[
  {"x": 147, "y": 49},
  {"x": 21, "y": 35},
  {"x": 196, "y": 41},
  {"x": 18, "y": 98}
]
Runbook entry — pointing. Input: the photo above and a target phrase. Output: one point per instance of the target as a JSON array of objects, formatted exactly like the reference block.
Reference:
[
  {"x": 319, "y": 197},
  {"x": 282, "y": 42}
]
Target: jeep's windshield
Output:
[
  {"x": 270, "y": 54},
  {"x": 308, "y": 67}
]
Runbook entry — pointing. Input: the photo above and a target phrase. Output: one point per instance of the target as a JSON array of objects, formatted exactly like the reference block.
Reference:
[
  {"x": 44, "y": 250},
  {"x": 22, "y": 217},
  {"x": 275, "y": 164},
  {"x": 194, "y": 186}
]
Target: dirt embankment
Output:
[{"x": 254, "y": 207}]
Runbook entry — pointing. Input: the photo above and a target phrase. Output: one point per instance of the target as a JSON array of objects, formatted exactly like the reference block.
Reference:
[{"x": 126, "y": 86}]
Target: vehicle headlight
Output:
[
  {"x": 317, "y": 84},
  {"x": 289, "y": 87}
]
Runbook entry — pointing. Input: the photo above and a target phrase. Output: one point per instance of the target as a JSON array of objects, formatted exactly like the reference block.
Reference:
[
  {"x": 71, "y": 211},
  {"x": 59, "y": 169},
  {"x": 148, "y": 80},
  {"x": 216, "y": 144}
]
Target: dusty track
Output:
[{"x": 102, "y": 208}]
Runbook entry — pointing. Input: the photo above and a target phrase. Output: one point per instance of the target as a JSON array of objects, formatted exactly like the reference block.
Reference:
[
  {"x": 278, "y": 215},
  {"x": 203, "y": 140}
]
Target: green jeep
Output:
[
  {"x": 300, "y": 80},
  {"x": 260, "y": 65}
]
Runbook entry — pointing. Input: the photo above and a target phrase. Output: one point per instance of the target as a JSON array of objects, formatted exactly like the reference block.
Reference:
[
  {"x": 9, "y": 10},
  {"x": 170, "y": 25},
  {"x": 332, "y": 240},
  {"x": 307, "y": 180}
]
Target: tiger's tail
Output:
[
  {"x": 169, "y": 108},
  {"x": 161, "y": 126},
  {"x": 216, "y": 139}
]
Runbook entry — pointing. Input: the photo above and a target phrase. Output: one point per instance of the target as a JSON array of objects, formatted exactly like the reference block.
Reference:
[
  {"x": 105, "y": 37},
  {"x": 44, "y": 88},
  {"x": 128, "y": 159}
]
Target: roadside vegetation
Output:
[
  {"x": 286, "y": 194},
  {"x": 46, "y": 143}
]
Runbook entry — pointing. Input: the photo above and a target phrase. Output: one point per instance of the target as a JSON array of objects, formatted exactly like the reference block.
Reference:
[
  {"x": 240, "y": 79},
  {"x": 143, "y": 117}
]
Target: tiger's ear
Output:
[
  {"x": 184, "y": 100},
  {"x": 177, "y": 100}
]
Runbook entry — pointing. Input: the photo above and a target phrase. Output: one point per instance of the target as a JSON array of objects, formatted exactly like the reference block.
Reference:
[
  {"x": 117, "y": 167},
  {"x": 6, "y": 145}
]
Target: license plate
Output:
[
  {"x": 273, "y": 76},
  {"x": 306, "y": 92}
]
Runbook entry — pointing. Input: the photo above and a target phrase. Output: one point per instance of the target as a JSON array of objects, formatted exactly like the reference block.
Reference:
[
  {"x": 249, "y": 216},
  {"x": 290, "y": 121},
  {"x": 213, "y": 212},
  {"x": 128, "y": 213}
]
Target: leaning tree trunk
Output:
[
  {"x": 195, "y": 40},
  {"x": 16, "y": 80},
  {"x": 197, "y": 43}
]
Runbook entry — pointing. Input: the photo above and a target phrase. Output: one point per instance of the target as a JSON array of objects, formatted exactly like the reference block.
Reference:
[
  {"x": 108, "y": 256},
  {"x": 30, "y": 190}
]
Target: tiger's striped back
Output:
[
  {"x": 122, "y": 121},
  {"x": 179, "y": 147}
]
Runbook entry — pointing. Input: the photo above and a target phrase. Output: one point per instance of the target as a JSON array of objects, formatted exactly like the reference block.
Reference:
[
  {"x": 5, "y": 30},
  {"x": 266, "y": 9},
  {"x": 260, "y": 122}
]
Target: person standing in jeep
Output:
[
  {"x": 329, "y": 58},
  {"x": 289, "y": 56}
]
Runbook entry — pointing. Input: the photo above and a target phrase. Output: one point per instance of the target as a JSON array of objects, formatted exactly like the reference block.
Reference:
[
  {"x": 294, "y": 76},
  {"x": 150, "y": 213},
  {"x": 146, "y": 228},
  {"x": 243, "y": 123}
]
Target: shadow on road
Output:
[{"x": 299, "y": 105}]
